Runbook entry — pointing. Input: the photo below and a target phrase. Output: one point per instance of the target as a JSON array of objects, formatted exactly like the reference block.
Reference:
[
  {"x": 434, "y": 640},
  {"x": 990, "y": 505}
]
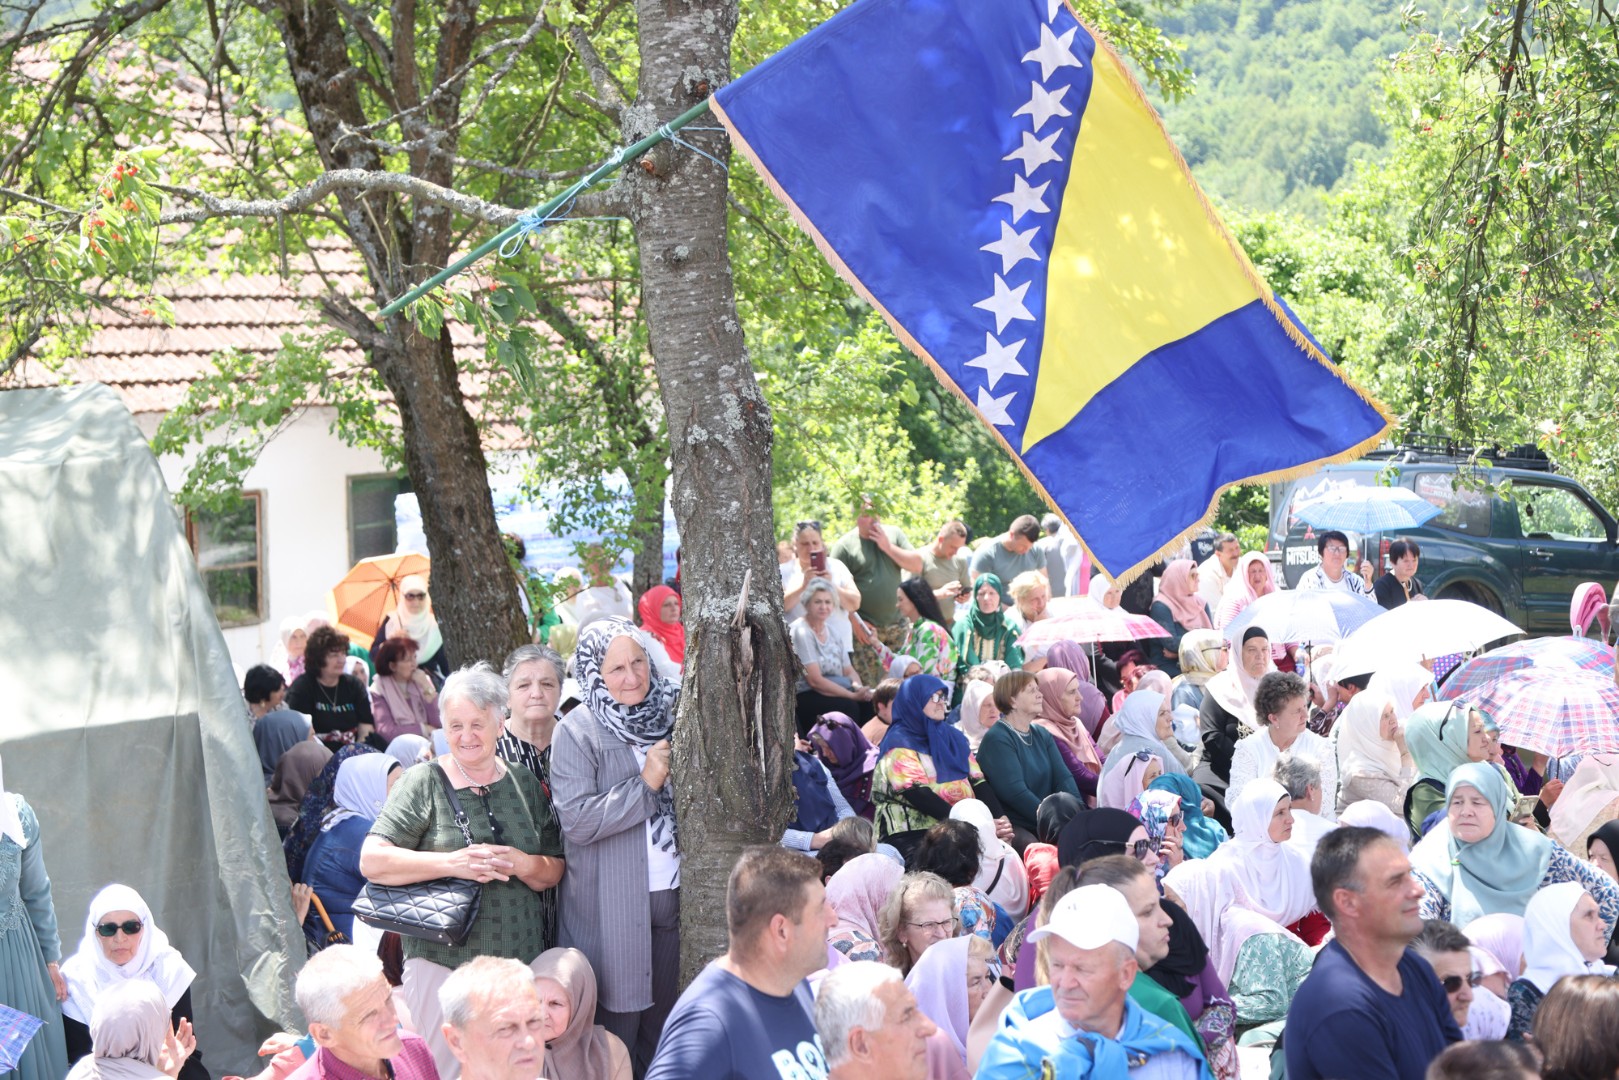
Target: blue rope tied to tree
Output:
[
  {"x": 669, "y": 133},
  {"x": 529, "y": 223}
]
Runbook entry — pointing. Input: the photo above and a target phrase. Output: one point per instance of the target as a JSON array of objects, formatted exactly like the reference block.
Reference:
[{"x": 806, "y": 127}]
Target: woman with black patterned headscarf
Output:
[{"x": 611, "y": 785}]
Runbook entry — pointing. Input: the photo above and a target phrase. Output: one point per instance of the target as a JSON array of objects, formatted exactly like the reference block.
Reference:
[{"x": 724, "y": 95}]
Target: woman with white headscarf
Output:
[
  {"x": 30, "y": 949},
  {"x": 1373, "y": 761},
  {"x": 332, "y": 864},
  {"x": 1563, "y": 934},
  {"x": 1001, "y": 874},
  {"x": 414, "y": 619},
  {"x": 122, "y": 944},
  {"x": 1227, "y": 715},
  {"x": 1407, "y": 683},
  {"x": 1143, "y": 725},
  {"x": 978, "y": 711},
  {"x": 131, "y": 1037},
  {"x": 1267, "y": 875}
]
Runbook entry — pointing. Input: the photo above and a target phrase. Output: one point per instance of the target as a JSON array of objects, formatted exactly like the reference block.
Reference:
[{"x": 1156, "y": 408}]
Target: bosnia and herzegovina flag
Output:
[{"x": 990, "y": 176}]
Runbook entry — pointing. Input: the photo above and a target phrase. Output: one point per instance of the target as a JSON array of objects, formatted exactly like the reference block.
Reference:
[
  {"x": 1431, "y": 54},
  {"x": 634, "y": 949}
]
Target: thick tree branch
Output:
[
  {"x": 362, "y": 181},
  {"x": 609, "y": 97}
]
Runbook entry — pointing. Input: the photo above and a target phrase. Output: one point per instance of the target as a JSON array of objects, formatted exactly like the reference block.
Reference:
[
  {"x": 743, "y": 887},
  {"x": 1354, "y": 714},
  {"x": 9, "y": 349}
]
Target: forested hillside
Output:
[{"x": 1286, "y": 97}]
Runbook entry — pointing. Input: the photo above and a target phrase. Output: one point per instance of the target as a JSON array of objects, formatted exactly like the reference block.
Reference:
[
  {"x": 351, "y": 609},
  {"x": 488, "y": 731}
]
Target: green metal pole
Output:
[{"x": 618, "y": 160}]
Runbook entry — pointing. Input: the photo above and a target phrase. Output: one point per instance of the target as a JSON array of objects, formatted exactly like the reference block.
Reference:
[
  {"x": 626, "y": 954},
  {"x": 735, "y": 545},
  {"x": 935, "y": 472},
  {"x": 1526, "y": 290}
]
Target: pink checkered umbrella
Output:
[
  {"x": 1476, "y": 679},
  {"x": 1558, "y": 711},
  {"x": 1083, "y": 620}
]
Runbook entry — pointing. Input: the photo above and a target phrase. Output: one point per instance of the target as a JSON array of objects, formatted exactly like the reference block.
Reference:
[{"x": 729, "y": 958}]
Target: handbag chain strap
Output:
[{"x": 455, "y": 805}]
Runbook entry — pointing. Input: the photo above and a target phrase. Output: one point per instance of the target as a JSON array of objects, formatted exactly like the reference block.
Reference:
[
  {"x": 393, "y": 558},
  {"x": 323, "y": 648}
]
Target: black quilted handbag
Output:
[{"x": 441, "y": 910}]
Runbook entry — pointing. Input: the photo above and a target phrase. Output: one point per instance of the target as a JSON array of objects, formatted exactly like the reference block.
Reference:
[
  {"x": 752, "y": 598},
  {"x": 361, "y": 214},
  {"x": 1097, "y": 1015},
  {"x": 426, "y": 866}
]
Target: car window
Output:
[
  {"x": 1549, "y": 512},
  {"x": 1461, "y": 509}
]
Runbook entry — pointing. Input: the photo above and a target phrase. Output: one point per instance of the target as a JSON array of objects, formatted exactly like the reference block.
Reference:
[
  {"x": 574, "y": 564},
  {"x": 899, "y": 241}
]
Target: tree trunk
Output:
[
  {"x": 473, "y": 592},
  {"x": 474, "y": 595},
  {"x": 732, "y": 744}
]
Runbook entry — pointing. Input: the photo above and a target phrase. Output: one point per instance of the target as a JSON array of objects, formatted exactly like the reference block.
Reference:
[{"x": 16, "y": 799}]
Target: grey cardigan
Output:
[{"x": 604, "y": 805}]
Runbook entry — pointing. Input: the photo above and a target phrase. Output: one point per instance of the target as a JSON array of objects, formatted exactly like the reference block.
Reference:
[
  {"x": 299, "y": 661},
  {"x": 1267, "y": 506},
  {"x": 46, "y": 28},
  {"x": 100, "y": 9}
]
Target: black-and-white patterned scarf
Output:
[{"x": 639, "y": 725}]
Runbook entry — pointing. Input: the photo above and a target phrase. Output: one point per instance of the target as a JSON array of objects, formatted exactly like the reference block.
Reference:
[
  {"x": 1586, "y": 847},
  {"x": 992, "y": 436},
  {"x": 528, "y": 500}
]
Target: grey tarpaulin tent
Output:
[{"x": 122, "y": 722}]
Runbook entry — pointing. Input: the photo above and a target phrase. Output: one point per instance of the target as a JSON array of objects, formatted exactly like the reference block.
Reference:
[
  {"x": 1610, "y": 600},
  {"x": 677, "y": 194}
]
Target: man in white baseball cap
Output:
[{"x": 1084, "y": 1024}]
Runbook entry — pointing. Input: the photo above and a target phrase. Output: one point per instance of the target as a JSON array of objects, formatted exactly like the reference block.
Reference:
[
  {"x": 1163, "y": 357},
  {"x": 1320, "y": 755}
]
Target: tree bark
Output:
[
  {"x": 732, "y": 744},
  {"x": 473, "y": 593}
]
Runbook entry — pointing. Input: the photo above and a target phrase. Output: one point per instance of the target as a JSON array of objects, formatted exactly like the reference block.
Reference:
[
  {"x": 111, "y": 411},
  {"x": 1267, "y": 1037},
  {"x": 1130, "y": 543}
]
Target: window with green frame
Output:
[
  {"x": 372, "y": 530},
  {"x": 229, "y": 547}
]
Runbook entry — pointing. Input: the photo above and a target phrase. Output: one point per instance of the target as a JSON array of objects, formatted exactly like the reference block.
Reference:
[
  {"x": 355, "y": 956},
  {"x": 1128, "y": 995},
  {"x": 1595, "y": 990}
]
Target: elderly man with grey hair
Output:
[
  {"x": 350, "y": 1010},
  {"x": 870, "y": 1024},
  {"x": 1089, "y": 946},
  {"x": 505, "y": 836},
  {"x": 1300, "y": 774},
  {"x": 493, "y": 1022}
]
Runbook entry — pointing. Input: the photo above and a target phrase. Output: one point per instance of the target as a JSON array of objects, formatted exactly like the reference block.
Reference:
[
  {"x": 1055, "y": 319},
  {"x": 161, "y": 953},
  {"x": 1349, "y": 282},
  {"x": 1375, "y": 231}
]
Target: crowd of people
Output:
[{"x": 1011, "y": 855}]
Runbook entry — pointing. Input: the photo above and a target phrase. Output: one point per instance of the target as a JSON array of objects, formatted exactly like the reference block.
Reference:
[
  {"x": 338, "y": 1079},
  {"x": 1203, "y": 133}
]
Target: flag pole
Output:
[{"x": 542, "y": 213}]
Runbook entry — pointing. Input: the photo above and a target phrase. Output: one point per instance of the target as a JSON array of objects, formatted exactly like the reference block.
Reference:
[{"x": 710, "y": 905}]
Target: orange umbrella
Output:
[{"x": 370, "y": 591}]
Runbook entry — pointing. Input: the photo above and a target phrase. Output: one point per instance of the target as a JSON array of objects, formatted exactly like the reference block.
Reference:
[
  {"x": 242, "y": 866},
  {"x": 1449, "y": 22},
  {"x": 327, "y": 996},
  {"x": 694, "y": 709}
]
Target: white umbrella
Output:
[
  {"x": 1317, "y": 616},
  {"x": 1421, "y": 630}
]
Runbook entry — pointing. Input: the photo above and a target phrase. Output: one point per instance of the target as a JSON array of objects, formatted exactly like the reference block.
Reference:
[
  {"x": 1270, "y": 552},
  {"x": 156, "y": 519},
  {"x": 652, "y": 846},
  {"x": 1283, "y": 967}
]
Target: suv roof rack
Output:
[{"x": 1417, "y": 446}]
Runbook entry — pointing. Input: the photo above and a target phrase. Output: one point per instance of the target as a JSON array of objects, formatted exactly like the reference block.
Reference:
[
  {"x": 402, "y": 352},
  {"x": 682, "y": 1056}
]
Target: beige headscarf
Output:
[
  {"x": 1584, "y": 805},
  {"x": 127, "y": 1031},
  {"x": 584, "y": 1050},
  {"x": 423, "y": 629}
]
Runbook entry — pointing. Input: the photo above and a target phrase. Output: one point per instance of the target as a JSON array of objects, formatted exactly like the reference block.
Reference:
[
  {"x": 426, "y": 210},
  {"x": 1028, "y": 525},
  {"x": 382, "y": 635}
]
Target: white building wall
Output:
[{"x": 303, "y": 474}]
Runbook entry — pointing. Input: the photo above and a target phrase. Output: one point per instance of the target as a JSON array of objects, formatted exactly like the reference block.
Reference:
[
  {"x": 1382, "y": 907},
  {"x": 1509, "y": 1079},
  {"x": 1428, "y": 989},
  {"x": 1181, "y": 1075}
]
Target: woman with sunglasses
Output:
[
  {"x": 516, "y": 853},
  {"x": 925, "y": 767},
  {"x": 414, "y": 618},
  {"x": 122, "y": 943}
]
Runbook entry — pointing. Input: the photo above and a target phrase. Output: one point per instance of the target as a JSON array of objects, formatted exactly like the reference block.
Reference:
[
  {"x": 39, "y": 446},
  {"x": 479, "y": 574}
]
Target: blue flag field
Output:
[{"x": 990, "y": 176}]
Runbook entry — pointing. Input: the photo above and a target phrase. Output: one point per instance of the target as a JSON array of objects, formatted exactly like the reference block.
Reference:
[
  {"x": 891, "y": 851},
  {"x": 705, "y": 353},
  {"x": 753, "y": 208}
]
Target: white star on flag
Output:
[
  {"x": 1043, "y": 104},
  {"x": 1013, "y": 246},
  {"x": 1054, "y": 51},
  {"x": 1023, "y": 198},
  {"x": 1006, "y": 304},
  {"x": 1035, "y": 152},
  {"x": 1052, "y": 7},
  {"x": 993, "y": 409},
  {"x": 999, "y": 360}
]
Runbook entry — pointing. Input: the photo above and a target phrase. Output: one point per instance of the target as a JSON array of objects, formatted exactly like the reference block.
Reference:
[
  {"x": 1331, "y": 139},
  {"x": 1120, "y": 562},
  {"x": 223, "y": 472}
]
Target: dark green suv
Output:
[{"x": 1519, "y": 548}]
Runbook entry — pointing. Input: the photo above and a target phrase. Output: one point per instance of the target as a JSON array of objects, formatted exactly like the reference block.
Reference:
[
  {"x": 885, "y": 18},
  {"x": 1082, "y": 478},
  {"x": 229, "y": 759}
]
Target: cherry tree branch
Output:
[{"x": 206, "y": 206}]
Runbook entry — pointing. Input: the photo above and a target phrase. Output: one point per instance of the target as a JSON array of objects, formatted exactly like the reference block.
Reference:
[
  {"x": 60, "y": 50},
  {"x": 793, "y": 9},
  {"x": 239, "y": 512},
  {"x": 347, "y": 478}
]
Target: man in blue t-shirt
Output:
[
  {"x": 750, "y": 1014},
  {"x": 1371, "y": 1008}
]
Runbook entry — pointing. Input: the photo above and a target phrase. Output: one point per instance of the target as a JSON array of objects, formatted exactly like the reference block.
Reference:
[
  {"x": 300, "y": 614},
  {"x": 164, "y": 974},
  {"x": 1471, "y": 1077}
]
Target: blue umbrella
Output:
[
  {"x": 1363, "y": 510},
  {"x": 16, "y": 1028}
]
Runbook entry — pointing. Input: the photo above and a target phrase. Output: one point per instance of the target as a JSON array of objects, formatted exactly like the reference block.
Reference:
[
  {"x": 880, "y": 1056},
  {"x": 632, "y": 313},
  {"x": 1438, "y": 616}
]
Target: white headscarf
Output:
[
  {"x": 1234, "y": 689},
  {"x": 10, "y": 820},
  {"x": 1099, "y": 588},
  {"x": 1371, "y": 814},
  {"x": 1224, "y": 915},
  {"x": 1548, "y": 946},
  {"x": 1362, "y": 750},
  {"x": 972, "y": 701},
  {"x": 423, "y": 629},
  {"x": 1402, "y": 682},
  {"x": 127, "y": 1032},
  {"x": 998, "y": 864},
  {"x": 89, "y": 973},
  {"x": 360, "y": 789},
  {"x": 1137, "y": 725},
  {"x": 1274, "y": 877}
]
